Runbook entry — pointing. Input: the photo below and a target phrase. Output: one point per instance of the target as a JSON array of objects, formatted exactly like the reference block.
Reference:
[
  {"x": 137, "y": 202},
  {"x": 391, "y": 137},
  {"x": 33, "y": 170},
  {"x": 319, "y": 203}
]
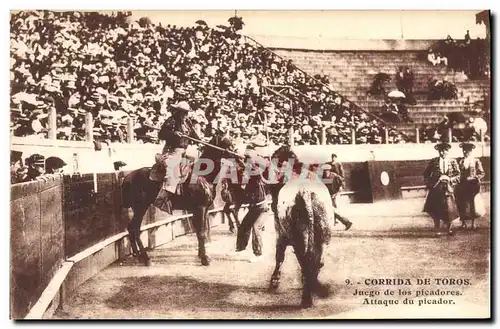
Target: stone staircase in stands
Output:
[{"x": 351, "y": 74}]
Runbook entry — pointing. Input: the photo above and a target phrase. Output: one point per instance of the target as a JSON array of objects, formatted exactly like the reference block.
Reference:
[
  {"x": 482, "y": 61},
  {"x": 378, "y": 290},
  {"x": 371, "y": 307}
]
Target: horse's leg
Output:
[
  {"x": 199, "y": 223},
  {"x": 281, "y": 245},
  {"x": 136, "y": 228},
  {"x": 207, "y": 226},
  {"x": 132, "y": 231},
  {"x": 437, "y": 224},
  {"x": 133, "y": 239}
]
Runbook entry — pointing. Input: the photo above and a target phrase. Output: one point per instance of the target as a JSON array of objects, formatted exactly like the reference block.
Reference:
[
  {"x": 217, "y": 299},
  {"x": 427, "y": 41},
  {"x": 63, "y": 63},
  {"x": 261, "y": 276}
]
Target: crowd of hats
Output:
[{"x": 116, "y": 69}]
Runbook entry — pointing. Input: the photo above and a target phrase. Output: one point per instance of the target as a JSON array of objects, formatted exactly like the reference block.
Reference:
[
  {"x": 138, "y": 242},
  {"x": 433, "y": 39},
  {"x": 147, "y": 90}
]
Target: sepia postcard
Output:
[{"x": 242, "y": 164}]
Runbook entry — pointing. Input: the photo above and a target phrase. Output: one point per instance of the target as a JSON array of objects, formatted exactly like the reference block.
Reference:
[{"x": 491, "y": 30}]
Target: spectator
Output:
[
  {"x": 54, "y": 165},
  {"x": 444, "y": 126},
  {"x": 436, "y": 59},
  {"x": 36, "y": 167},
  {"x": 400, "y": 79},
  {"x": 17, "y": 169},
  {"x": 480, "y": 126},
  {"x": 395, "y": 111},
  {"x": 118, "y": 165},
  {"x": 468, "y": 56},
  {"x": 467, "y": 39},
  {"x": 408, "y": 80}
]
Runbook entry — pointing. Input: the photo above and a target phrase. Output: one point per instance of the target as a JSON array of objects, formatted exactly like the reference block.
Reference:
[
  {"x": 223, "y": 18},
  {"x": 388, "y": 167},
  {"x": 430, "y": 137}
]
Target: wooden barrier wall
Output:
[
  {"x": 403, "y": 174},
  {"x": 91, "y": 216},
  {"x": 357, "y": 179},
  {"x": 37, "y": 240},
  {"x": 54, "y": 220}
]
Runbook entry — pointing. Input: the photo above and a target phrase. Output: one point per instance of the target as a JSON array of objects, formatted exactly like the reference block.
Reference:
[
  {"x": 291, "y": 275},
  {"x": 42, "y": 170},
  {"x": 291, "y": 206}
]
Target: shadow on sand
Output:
[{"x": 182, "y": 295}]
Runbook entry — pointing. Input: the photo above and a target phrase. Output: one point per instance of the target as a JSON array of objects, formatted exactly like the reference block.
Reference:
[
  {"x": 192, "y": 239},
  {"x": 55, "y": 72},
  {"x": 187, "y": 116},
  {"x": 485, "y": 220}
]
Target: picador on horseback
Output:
[
  {"x": 168, "y": 165},
  {"x": 168, "y": 180}
]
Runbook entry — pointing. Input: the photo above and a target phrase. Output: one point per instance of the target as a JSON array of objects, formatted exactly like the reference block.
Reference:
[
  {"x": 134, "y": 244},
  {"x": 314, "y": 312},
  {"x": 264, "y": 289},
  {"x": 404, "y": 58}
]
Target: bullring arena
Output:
[{"x": 70, "y": 249}]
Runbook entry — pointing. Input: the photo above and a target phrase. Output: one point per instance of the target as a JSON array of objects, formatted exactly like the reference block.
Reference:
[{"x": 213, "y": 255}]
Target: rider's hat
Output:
[{"x": 182, "y": 107}]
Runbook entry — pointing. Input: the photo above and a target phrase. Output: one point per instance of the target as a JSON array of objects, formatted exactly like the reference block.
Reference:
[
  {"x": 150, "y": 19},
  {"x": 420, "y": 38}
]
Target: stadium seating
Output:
[{"x": 352, "y": 72}]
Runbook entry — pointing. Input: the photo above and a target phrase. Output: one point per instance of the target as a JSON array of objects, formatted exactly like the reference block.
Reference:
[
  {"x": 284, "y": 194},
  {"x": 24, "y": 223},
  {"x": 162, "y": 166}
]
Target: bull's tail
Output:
[
  {"x": 304, "y": 230},
  {"x": 307, "y": 220}
]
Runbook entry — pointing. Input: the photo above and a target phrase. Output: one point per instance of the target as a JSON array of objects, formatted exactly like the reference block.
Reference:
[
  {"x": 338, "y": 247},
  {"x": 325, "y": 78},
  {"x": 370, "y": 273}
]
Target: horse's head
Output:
[{"x": 221, "y": 142}]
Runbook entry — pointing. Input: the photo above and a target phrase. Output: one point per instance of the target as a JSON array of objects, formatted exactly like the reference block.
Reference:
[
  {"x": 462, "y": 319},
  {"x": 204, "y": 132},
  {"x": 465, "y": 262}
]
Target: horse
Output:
[
  {"x": 303, "y": 214},
  {"x": 197, "y": 196},
  {"x": 233, "y": 191}
]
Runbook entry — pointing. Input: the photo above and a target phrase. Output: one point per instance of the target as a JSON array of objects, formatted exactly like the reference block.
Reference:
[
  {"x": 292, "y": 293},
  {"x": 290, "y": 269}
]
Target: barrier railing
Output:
[
  {"x": 56, "y": 284},
  {"x": 89, "y": 127},
  {"x": 50, "y": 214}
]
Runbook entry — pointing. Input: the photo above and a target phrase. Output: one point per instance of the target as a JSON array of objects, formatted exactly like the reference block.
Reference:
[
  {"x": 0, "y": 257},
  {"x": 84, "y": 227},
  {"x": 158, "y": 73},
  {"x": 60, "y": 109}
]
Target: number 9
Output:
[{"x": 347, "y": 282}]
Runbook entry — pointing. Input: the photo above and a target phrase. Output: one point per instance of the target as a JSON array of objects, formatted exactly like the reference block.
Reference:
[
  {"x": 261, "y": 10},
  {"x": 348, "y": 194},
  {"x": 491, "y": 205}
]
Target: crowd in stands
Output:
[
  {"x": 115, "y": 69},
  {"x": 468, "y": 56}
]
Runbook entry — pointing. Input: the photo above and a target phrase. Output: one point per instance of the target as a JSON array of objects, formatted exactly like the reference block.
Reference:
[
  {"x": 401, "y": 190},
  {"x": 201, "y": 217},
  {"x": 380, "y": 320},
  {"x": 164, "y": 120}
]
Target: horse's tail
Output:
[{"x": 127, "y": 191}]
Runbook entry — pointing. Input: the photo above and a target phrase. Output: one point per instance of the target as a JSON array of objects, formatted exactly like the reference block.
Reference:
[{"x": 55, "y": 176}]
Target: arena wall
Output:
[
  {"x": 67, "y": 229},
  {"x": 37, "y": 240}
]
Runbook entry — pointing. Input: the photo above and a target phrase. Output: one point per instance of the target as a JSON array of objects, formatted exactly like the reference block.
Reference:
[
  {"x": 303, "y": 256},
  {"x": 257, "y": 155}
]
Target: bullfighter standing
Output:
[
  {"x": 471, "y": 173},
  {"x": 441, "y": 176}
]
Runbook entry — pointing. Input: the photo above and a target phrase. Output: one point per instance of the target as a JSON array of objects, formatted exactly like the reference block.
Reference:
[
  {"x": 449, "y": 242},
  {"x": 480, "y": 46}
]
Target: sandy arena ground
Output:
[{"x": 390, "y": 240}]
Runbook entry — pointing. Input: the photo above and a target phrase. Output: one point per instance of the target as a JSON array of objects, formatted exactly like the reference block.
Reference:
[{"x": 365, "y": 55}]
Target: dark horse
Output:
[
  {"x": 233, "y": 190},
  {"x": 303, "y": 214},
  {"x": 197, "y": 196}
]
